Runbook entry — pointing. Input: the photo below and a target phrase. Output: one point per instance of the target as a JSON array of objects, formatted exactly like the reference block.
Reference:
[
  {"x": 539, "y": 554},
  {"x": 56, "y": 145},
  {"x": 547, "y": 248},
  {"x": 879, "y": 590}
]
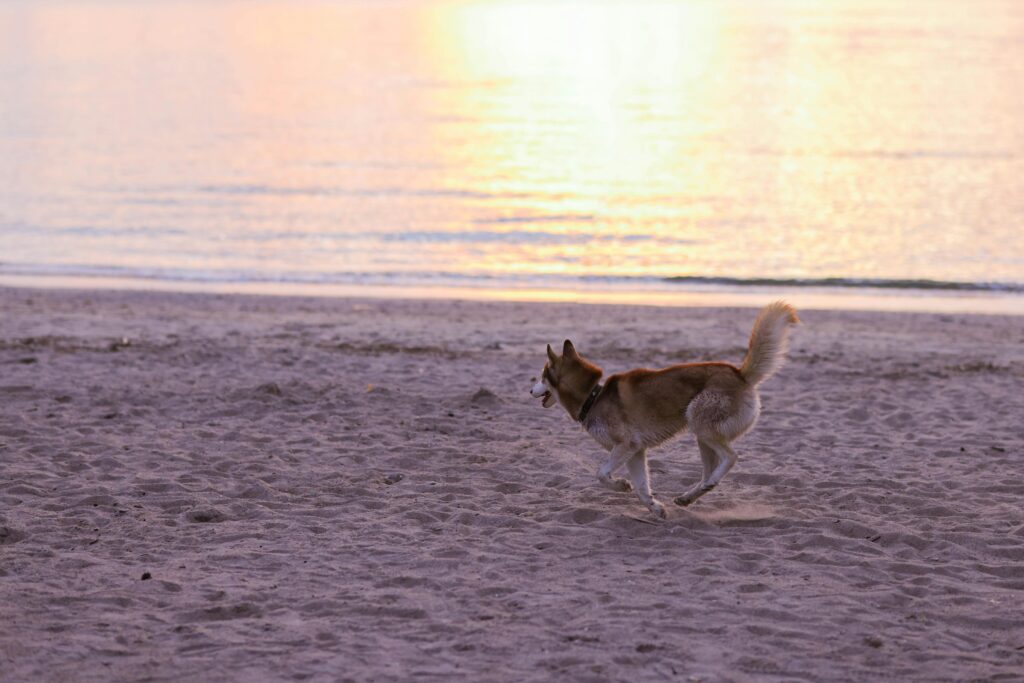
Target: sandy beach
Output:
[{"x": 234, "y": 488}]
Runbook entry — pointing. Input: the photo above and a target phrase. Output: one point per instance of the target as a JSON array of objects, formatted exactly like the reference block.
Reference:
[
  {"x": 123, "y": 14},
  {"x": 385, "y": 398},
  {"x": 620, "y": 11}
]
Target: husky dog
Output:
[{"x": 642, "y": 408}]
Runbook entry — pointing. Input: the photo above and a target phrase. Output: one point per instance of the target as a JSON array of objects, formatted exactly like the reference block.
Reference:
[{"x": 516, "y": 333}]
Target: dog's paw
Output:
[
  {"x": 658, "y": 510},
  {"x": 692, "y": 495}
]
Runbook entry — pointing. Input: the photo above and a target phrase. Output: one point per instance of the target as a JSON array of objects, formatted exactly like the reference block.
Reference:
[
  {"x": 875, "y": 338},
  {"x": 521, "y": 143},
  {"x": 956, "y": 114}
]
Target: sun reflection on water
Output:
[
  {"x": 778, "y": 139},
  {"x": 569, "y": 111}
]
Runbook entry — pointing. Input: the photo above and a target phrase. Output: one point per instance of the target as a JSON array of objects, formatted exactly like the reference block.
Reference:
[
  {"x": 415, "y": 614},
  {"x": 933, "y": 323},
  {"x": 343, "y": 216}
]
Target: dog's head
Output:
[{"x": 568, "y": 373}]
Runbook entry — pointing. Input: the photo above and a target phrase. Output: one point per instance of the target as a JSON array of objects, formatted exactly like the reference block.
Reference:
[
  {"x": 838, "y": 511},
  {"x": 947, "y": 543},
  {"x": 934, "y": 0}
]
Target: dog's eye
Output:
[{"x": 533, "y": 379}]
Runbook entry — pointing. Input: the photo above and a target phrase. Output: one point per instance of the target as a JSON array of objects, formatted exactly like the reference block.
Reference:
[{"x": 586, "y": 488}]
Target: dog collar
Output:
[{"x": 589, "y": 403}]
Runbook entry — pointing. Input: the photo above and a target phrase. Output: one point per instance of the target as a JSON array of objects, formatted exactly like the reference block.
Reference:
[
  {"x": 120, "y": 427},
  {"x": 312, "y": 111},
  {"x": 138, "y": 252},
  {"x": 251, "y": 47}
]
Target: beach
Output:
[
  {"x": 201, "y": 487},
  {"x": 276, "y": 280}
]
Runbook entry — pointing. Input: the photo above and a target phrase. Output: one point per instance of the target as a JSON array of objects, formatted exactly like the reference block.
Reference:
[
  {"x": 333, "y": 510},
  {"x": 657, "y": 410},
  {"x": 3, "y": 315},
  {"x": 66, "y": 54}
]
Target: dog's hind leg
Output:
[
  {"x": 641, "y": 478},
  {"x": 727, "y": 458},
  {"x": 616, "y": 458},
  {"x": 716, "y": 419},
  {"x": 709, "y": 459}
]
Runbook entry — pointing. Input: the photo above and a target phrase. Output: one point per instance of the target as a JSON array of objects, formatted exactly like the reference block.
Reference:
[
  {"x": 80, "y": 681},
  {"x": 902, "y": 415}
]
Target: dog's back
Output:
[{"x": 651, "y": 406}]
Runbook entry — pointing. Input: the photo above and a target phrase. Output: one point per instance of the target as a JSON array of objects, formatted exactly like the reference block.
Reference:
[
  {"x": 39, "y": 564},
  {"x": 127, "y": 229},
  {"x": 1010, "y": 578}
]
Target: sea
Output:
[{"x": 848, "y": 153}]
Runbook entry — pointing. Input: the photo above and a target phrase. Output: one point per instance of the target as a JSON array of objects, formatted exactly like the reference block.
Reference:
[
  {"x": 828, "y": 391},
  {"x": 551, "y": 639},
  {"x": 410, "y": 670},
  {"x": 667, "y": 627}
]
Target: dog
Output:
[{"x": 642, "y": 408}]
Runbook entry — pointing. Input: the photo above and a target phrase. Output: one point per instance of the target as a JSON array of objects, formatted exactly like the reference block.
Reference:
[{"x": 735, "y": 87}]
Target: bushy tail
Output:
[{"x": 768, "y": 342}]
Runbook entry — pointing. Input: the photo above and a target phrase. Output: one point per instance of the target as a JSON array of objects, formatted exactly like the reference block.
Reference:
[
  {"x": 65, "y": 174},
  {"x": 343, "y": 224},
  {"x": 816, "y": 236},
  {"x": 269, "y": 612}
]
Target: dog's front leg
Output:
[
  {"x": 641, "y": 477},
  {"x": 616, "y": 459}
]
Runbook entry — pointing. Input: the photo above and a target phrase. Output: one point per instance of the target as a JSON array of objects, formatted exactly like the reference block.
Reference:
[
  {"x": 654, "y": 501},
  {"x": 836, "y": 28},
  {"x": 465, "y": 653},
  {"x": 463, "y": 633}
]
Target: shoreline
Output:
[
  {"x": 684, "y": 296},
  {"x": 250, "y": 488}
]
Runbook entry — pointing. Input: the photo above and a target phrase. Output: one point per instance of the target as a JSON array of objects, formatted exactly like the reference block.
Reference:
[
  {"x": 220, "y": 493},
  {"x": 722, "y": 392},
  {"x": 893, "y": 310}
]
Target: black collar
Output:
[{"x": 589, "y": 403}]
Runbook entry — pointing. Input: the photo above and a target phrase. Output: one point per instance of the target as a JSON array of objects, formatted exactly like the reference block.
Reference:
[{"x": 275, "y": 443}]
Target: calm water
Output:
[{"x": 515, "y": 144}]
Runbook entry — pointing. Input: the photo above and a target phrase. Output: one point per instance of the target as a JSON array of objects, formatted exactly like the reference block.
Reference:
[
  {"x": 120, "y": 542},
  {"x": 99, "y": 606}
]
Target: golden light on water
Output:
[
  {"x": 569, "y": 109},
  {"x": 624, "y": 114},
  {"x": 515, "y": 139}
]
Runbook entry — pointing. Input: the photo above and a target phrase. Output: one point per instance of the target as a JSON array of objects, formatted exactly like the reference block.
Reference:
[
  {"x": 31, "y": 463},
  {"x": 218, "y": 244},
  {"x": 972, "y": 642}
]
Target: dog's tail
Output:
[{"x": 768, "y": 342}]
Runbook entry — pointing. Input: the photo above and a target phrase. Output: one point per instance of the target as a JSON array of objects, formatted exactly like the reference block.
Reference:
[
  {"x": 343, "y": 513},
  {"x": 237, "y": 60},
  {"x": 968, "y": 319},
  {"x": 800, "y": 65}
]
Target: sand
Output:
[{"x": 229, "y": 488}]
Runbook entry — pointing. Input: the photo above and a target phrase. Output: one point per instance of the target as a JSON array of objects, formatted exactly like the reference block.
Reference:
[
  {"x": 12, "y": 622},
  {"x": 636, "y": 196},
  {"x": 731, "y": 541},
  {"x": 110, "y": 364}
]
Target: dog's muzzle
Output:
[{"x": 540, "y": 390}]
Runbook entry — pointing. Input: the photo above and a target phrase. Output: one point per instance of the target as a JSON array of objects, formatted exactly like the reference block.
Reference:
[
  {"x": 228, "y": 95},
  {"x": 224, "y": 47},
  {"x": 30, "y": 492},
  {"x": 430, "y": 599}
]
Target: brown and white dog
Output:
[{"x": 642, "y": 408}]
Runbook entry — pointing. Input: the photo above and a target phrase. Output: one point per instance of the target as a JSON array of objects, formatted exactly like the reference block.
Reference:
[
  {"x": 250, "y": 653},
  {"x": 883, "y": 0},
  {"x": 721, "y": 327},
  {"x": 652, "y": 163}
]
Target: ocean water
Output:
[{"x": 632, "y": 147}]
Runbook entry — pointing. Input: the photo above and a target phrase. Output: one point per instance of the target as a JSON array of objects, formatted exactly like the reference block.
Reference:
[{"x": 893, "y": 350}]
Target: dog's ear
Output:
[
  {"x": 568, "y": 350},
  {"x": 551, "y": 355}
]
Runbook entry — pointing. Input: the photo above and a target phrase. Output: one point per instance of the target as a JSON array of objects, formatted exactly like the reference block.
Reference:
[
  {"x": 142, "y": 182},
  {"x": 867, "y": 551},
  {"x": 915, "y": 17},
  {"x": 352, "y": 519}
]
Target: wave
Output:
[
  {"x": 853, "y": 283},
  {"x": 498, "y": 280},
  {"x": 266, "y": 190},
  {"x": 512, "y": 237}
]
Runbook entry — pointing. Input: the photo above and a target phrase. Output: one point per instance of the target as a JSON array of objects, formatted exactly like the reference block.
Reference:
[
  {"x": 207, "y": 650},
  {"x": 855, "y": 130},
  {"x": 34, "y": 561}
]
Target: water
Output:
[{"x": 630, "y": 147}]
